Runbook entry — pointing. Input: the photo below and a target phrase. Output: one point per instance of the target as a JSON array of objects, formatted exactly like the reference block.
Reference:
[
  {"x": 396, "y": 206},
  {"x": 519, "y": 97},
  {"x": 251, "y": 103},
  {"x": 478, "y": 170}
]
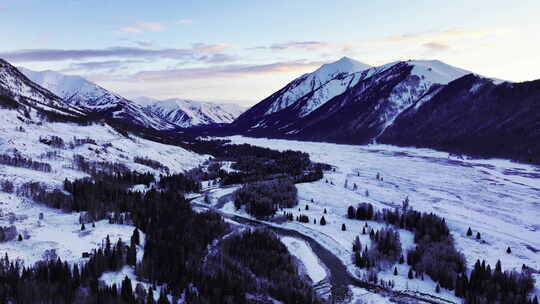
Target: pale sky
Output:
[{"x": 243, "y": 51}]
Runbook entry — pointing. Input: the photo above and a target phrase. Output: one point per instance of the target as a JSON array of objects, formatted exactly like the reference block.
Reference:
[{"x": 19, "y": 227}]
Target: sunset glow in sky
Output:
[{"x": 243, "y": 51}]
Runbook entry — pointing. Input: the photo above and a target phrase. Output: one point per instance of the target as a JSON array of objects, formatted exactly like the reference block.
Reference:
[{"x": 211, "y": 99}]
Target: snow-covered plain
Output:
[{"x": 498, "y": 198}]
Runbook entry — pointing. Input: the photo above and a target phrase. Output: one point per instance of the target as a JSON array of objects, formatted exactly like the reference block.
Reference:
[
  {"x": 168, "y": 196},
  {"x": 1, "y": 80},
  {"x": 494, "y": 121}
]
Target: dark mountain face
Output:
[{"x": 474, "y": 115}]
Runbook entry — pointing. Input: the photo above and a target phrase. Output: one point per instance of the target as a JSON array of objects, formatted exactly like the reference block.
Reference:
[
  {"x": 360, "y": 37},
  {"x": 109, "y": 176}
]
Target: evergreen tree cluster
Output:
[
  {"x": 54, "y": 281},
  {"x": 263, "y": 199},
  {"x": 385, "y": 249},
  {"x": 436, "y": 255},
  {"x": 487, "y": 285},
  {"x": 240, "y": 258},
  {"x": 364, "y": 211},
  {"x": 180, "y": 182},
  {"x": 154, "y": 164}
]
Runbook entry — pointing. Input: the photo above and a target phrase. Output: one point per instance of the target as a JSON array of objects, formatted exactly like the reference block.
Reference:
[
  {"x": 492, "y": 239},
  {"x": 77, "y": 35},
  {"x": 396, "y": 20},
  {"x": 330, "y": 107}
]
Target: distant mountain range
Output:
[
  {"x": 146, "y": 112},
  {"x": 415, "y": 103},
  {"x": 188, "y": 113}
]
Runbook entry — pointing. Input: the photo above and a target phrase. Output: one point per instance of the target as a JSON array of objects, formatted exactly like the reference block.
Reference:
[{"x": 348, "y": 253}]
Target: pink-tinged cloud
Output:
[
  {"x": 140, "y": 27},
  {"x": 224, "y": 71},
  {"x": 31, "y": 55},
  {"x": 303, "y": 45},
  {"x": 436, "y": 46}
]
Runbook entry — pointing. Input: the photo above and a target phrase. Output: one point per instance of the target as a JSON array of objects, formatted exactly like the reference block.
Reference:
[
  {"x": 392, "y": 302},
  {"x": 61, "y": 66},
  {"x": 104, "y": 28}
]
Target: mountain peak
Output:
[{"x": 343, "y": 65}]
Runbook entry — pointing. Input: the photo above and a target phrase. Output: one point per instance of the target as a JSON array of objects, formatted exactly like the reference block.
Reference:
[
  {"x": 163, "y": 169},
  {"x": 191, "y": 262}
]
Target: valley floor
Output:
[{"x": 498, "y": 198}]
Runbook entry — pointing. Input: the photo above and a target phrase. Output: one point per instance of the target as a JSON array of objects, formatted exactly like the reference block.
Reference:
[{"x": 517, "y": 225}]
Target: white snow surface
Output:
[
  {"x": 495, "y": 197},
  {"x": 301, "y": 250}
]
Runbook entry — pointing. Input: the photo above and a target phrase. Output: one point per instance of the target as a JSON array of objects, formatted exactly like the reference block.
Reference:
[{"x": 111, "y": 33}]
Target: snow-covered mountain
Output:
[
  {"x": 17, "y": 91},
  {"x": 79, "y": 92},
  {"x": 308, "y": 92},
  {"x": 188, "y": 113},
  {"x": 344, "y": 96}
]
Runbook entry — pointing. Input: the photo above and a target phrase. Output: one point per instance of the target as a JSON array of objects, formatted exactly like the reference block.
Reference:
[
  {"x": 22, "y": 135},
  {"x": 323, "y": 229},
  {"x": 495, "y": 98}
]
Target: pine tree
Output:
[
  {"x": 363, "y": 230},
  {"x": 508, "y": 250},
  {"x": 20, "y": 238},
  {"x": 131, "y": 256},
  {"x": 150, "y": 296},
  {"x": 401, "y": 259},
  {"x": 469, "y": 232},
  {"x": 83, "y": 227},
  {"x": 322, "y": 221},
  {"x": 438, "y": 288},
  {"x": 307, "y": 207},
  {"x": 535, "y": 300},
  {"x": 351, "y": 212},
  {"x": 93, "y": 224},
  {"x": 163, "y": 298},
  {"x": 324, "y": 210},
  {"x": 478, "y": 236},
  {"x": 410, "y": 275},
  {"x": 395, "y": 271},
  {"x": 498, "y": 267},
  {"x": 127, "y": 290},
  {"x": 135, "y": 237},
  {"x": 343, "y": 228}
]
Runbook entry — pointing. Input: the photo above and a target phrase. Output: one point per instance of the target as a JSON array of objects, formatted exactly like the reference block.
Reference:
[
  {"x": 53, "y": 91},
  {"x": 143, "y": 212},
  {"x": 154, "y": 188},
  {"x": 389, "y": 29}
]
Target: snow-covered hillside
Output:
[
  {"x": 79, "y": 92},
  {"x": 187, "y": 113},
  {"x": 58, "y": 230}
]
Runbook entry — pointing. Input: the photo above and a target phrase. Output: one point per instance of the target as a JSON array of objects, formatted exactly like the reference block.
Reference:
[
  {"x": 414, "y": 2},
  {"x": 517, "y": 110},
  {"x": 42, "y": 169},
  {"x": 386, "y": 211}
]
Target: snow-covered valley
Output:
[{"x": 498, "y": 198}]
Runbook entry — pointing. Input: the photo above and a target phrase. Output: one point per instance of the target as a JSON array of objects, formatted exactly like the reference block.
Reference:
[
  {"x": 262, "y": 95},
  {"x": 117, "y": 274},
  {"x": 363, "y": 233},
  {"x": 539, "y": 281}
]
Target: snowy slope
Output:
[
  {"x": 17, "y": 87},
  {"x": 188, "y": 113},
  {"x": 82, "y": 93},
  {"x": 331, "y": 74},
  {"x": 59, "y": 230},
  {"x": 306, "y": 93}
]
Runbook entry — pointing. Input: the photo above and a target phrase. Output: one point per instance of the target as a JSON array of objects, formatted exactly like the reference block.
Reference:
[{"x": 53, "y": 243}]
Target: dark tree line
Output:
[
  {"x": 180, "y": 182},
  {"x": 154, "y": 164},
  {"x": 54, "y": 281},
  {"x": 263, "y": 199},
  {"x": 23, "y": 162},
  {"x": 487, "y": 285}
]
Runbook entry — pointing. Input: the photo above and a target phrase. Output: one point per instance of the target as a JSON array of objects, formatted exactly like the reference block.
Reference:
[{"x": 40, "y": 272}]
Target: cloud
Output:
[
  {"x": 436, "y": 46},
  {"x": 223, "y": 71},
  {"x": 140, "y": 27},
  {"x": 304, "y": 45},
  {"x": 211, "y": 48},
  {"x": 32, "y": 55},
  {"x": 110, "y": 65},
  {"x": 184, "y": 21}
]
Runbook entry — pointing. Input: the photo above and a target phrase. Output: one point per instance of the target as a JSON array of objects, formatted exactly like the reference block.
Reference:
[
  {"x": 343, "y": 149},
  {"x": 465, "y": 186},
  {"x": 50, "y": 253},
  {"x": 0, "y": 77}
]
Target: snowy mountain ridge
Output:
[
  {"x": 188, "y": 113},
  {"x": 79, "y": 92},
  {"x": 379, "y": 94}
]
